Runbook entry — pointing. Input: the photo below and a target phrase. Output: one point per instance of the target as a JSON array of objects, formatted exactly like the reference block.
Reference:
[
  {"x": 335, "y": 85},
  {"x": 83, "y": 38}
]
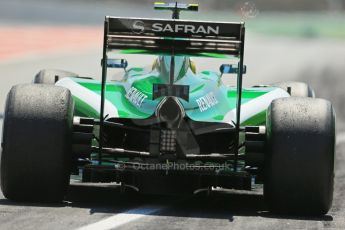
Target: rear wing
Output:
[
  {"x": 173, "y": 37},
  {"x": 178, "y": 37}
]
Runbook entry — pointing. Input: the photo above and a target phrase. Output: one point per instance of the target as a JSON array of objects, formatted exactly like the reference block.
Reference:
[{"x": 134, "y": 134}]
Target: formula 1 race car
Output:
[{"x": 169, "y": 125}]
